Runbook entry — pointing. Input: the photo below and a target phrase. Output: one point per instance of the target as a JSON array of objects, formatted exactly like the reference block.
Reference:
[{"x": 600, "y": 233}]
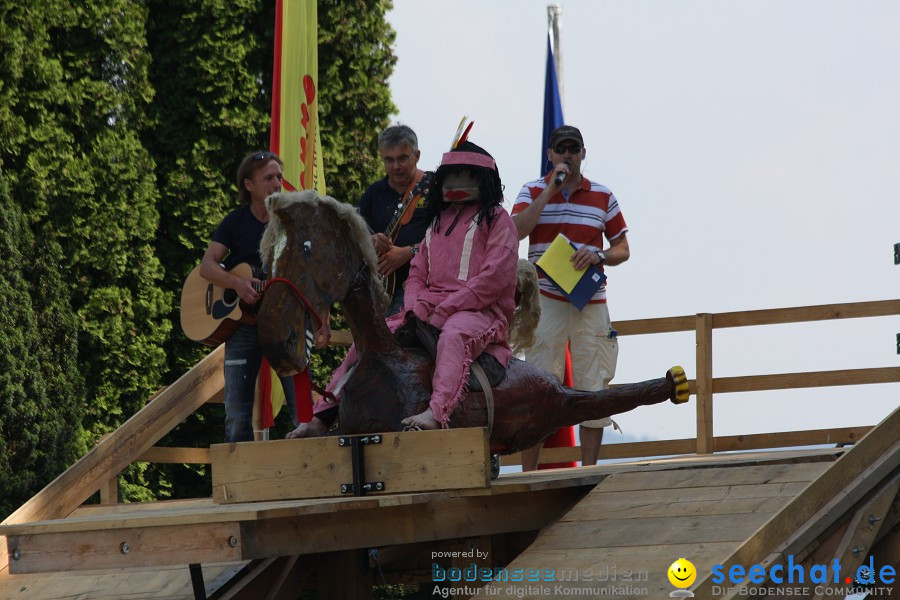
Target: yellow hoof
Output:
[{"x": 681, "y": 392}]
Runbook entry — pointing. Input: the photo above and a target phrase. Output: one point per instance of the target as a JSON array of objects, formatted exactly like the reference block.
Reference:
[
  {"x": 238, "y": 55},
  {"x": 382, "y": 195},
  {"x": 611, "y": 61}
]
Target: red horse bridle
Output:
[{"x": 299, "y": 294}]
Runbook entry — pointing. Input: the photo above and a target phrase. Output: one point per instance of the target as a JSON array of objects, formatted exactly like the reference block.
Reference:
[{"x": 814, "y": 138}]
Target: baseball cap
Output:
[{"x": 566, "y": 132}]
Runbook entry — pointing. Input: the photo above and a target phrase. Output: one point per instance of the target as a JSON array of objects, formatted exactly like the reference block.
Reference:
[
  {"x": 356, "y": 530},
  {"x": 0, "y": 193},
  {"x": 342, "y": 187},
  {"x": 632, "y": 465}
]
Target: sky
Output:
[{"x": 754, "y": 148}]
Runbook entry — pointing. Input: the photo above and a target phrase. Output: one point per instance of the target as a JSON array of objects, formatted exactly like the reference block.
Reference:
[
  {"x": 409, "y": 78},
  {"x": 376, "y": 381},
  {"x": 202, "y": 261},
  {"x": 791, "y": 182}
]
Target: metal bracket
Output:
[{"x": 357, "y": 444}]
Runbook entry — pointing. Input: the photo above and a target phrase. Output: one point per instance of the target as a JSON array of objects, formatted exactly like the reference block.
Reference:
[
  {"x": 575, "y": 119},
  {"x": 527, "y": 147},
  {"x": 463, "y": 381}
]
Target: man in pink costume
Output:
[{"x": 462, "y": 282}]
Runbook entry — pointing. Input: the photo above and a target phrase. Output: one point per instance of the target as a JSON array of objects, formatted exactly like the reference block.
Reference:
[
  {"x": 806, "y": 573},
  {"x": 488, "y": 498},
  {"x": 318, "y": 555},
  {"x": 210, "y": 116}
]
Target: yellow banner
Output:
[{"x": 295, "y": 102}]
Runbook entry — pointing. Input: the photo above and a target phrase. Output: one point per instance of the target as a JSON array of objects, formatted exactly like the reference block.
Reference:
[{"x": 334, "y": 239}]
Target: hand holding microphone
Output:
[{"x": 562, "y": 171}]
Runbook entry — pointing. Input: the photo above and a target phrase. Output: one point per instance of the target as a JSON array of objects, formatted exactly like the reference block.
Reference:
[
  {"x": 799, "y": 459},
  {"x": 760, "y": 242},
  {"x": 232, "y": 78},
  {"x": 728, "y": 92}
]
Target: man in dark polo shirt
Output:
[{"x": 399, "y": 149}]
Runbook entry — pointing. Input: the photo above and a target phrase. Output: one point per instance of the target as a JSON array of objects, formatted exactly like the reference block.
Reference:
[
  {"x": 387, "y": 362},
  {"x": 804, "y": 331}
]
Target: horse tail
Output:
[{"x": 528, "y": 308}]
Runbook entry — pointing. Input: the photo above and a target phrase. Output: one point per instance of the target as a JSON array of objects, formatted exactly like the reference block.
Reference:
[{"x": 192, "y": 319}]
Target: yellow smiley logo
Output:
[{"x": 682, "y": 573}]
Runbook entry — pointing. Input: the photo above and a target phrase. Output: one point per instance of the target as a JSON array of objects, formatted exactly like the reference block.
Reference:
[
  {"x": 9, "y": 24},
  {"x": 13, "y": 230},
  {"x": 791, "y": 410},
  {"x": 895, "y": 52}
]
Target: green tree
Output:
[
  {"x": 78, "y": 89},
  {"x": 212, "y": 72},
  {"x": 40, "y": 388},
  {"x": 355, "y": 63}
]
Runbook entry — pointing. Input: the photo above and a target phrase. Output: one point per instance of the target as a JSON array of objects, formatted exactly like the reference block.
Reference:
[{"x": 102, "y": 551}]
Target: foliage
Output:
[
  {"x": 355, "y": 62},
  {"x": 209, "y": 111},
  {"x": 40, "y": 389},
  {"x": 77, "y": 89},
  {"x": 121, "y": 125}
]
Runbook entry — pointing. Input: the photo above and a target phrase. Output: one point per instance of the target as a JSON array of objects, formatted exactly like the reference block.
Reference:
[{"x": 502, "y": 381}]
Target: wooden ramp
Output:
[
  {"x": 632, "y": 526},
  {"x": 622, "y": 538}
]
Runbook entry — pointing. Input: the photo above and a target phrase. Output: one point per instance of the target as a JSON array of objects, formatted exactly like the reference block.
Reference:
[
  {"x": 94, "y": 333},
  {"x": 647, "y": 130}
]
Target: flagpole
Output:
[
  {"x": 554, "y": 28},
  {"x": 553, "y": 118}
]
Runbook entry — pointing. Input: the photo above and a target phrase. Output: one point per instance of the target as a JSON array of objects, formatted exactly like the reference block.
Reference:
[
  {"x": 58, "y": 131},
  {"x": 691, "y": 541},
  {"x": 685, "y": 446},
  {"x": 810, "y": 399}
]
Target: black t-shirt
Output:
[
  {"x": 241, "y": 233},
  {"x": 378, "y": 205}
]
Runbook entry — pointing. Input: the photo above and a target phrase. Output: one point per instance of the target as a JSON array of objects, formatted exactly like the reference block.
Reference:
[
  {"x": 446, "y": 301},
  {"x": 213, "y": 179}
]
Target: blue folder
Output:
[{"x": 556, "y": 266}]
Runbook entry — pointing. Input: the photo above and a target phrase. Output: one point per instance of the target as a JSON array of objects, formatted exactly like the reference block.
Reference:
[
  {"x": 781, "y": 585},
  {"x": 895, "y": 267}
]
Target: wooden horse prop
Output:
[{"x": 318, "y": 252}]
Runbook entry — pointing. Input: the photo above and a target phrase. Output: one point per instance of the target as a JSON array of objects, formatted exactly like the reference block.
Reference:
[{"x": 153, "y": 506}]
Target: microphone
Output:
[{"x": 558, "y": 180}]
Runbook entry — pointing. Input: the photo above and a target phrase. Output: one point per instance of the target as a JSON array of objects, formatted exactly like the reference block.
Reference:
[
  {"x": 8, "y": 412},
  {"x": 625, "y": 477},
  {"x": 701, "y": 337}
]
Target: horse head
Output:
[{"x": 314, "y": 256}]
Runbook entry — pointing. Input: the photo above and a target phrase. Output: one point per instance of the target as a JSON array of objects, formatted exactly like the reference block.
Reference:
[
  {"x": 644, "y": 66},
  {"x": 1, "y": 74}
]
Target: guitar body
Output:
[{"x": 210, "y": 314}]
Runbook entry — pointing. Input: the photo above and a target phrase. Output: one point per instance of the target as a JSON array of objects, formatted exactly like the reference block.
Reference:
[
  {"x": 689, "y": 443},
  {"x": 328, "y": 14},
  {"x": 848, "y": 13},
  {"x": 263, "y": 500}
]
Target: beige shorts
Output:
[{"x": 594, "y": 353}]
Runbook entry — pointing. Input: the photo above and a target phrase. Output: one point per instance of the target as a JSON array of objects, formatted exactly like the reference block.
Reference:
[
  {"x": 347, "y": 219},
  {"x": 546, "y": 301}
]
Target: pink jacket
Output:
[{"x": 473, "y": 269}]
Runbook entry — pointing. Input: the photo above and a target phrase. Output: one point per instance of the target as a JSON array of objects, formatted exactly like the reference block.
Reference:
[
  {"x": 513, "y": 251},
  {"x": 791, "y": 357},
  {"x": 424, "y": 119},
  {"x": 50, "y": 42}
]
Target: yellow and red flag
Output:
[
  {"x": 295, "y": 138},
  {"x": 295, "y": 95}
]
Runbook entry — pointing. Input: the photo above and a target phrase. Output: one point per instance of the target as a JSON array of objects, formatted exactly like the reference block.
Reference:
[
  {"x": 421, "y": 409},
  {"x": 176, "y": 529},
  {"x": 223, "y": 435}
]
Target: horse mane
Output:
[
  {"x": 359, "y": 230},
  {"x": 528, "y": 308}
]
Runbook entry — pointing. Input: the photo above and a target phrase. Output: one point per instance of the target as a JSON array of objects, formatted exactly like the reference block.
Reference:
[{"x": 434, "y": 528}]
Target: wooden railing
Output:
[
  {"x": 704, "y": 386},
  {"x": 134, "y": 441}
]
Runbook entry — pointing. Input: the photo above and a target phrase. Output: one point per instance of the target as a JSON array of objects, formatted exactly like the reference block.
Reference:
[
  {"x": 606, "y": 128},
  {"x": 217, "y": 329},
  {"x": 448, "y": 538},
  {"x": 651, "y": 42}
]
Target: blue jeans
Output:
[{"x": 243, "y": 357}]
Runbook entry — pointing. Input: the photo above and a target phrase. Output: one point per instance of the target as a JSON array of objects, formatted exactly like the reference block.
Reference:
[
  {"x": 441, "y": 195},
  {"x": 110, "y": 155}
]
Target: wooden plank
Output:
[
  {"x": 704, "y": 384},
  {"x": 166, "y": 455},
  {"x": 737, "y": 499},
  {"x": 602, "y": 500},
  {"x": 684, "y": 478},
  {"x": 441, "y": 519},
  {"x": 138, "y": 584},
  {"x": 800, "y": 314},
  {"x": 317, "y": 467},
  {"x": 127, "y": 548},
  {"x": 774, "y": 316},
  {"x": 783, "y": 381},
  {"x": 109, "y": 492},
  {"x": 699, "y": 529},
  {"x": 217, "y": 398},
  {"x": 786, "y": 439},
  {"x": 686, "y": 446},
  {"x": 341, "y": 337},
  {"x": 656, "y": 325},
  {"x": 65, "y": 493}
]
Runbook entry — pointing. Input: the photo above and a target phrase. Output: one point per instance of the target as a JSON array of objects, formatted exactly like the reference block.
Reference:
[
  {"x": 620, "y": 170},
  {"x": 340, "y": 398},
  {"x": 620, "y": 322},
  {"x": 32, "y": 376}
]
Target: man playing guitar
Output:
[
  {"x": 235, "y": 241},
  {"x": 399, "y": 149}
]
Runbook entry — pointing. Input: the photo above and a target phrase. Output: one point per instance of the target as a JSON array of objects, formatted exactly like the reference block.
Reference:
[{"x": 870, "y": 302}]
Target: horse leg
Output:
[
  {"x": 623, "y": 398},
  {"x": 539, "y": 405}
]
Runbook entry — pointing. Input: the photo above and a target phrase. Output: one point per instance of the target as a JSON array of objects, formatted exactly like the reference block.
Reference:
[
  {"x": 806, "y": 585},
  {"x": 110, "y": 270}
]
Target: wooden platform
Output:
[
  {"x": 85, "y": 551},
  {"x": 618, "y": 525}
]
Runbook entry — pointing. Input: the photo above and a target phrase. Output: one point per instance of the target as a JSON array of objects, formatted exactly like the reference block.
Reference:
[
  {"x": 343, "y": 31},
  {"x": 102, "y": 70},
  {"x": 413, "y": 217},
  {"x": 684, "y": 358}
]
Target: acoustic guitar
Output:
[
  {"x": 210, "y": 314},
  {"x": 402, "y": 216}
]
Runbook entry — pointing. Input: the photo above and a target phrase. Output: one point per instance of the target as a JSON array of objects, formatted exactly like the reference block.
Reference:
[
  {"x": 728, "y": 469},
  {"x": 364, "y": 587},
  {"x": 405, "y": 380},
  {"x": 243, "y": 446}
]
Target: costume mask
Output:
[{"x": 460, "y": 187}]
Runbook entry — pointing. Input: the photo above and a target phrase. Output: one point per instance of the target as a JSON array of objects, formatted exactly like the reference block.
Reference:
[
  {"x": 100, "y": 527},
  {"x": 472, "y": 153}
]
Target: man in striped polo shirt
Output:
[{"x": 565, "y": 202}]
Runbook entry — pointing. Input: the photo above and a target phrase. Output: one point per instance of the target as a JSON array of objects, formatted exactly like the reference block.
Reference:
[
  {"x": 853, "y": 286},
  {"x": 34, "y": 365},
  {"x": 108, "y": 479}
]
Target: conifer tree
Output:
[
  {"x": 41, "y": 391},
  {"x": 78, "y": 90}
]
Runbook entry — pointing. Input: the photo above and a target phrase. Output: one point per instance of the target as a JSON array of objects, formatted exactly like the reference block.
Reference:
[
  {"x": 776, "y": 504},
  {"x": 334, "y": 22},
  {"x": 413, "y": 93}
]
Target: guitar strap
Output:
[{"x": 407, "y": 214}]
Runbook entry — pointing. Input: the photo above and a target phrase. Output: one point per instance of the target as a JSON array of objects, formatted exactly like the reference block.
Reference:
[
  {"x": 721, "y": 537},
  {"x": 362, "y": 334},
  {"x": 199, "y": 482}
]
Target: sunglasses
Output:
[
  {"x": 262, "y": 155},
  {"x": 570, "y": 148}
]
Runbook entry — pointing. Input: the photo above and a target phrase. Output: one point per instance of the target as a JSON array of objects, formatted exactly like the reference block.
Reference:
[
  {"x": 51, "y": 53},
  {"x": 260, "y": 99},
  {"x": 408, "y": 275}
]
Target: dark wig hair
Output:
[{"x": 490, "y": 189}]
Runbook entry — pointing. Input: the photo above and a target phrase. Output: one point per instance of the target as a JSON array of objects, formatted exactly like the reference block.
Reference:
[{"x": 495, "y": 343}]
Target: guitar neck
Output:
[
  {"x": 416, "y": 190},
  {"x": 393, "y": 227}
]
